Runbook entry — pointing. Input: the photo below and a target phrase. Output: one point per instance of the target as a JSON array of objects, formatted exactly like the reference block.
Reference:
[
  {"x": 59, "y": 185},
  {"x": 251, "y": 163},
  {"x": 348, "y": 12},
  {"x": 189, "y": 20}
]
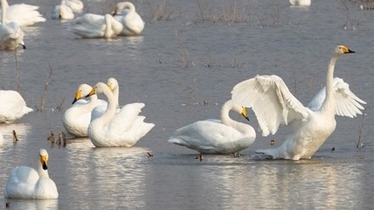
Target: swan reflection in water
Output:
[{"x": 14, "y": 204}]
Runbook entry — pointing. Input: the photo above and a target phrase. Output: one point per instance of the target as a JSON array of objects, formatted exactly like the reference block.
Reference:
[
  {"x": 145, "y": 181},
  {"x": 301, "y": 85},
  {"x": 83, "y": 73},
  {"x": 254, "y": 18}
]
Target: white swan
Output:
[
  {"x": 12, "y": 106},
  {"x": 117, "y": 129},
  {"x": 11, "y": 35},
  {"x": 77, "y": 118},
  {"x": 274, "y": 104},
  {"x": 132, "y": 23},
  {"x": 22, "y": 14},
  {"x": 96, "y": 26},
  {"x": 301, "y": 3},
  {"x": 65, "y": 10},
  {"x": 225, "y": 136},
  {"x": 27, "y": 183}
]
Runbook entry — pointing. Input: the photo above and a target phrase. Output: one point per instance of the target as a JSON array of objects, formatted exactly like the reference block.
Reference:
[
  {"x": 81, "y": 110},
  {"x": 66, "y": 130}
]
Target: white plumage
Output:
[
  {"x": 12, "y": 106},
  {"x": 11, "y": 35},
  {"x": 132, "y": 23},
  {"x": 22, "y": 14},
  {"x": 301, "y": 3},
  {"x": 66, "y": 10}
]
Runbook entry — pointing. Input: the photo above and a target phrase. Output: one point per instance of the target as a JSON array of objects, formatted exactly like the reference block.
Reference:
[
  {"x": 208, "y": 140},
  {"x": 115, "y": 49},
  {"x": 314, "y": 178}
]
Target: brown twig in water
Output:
[
  {"x": 42, "y": 102},
  {"x": 15, "y": 138}
]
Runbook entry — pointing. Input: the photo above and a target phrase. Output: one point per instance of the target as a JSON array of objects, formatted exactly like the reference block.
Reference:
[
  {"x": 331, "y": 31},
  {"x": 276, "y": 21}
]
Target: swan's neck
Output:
[
  {"x": 111, "y": 110},
  {"x": 42, "y": 172},
  {"x": 226, "y": 119},
  {"x": 108, "y": 29},
  {"x": 127, "y": 5},
  {"x": 116, "y": 95},
  {"x": 329, "y": 103},
  {"x": 4, "y": 8}
]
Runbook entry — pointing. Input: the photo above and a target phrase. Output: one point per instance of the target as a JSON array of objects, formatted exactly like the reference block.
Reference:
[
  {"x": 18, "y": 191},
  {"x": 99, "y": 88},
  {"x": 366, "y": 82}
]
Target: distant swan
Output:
[
  {"x": 132, "y": 23},
  {"x": 274, "y": 104},
  {"x": 12, "y": 106},
  {"x": 22, "y": 14},
  {"x": 27, "y": 183},
  {"x": 65, "y": 10},
  {"x": 96, "y": 26},
  {"x": 117, "y": 129},
  {"x": 300, "y": 2},
  {"x": 11, "y": 35},
  {"x": 224, "y": 136},
  {"x": 77, "y": 118}
]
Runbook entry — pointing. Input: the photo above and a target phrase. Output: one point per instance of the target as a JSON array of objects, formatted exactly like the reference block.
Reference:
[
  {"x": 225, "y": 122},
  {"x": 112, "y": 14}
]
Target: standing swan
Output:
[
  {"x": 214, "y": 136},
  {"x": 274, "y": 104},
  {"x": 22, "y": 14},
  {"x": 132, "y": 23},
  {"x": 12, "y": 106},
  {"x": 11, "y": 35},
  {"x": 27, "y": 183},
  {"x": 112, "y": 129}
]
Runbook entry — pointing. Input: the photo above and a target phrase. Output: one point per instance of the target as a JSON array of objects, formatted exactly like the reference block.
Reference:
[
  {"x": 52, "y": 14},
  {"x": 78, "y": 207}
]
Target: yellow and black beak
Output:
[
  {"x": 78, "y": 96},
  {"x": 43, "y": 160},
  {"x": 346, "y": 50},
  {"x": 92, "y": 92},
  {"x": 244, "y": 113}
]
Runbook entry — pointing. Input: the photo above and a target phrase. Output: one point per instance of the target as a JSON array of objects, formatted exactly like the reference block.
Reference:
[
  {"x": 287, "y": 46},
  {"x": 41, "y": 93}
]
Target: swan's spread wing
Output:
[
  {"x": 270, "y": 100},
  {"x": 347, "y": 103}
]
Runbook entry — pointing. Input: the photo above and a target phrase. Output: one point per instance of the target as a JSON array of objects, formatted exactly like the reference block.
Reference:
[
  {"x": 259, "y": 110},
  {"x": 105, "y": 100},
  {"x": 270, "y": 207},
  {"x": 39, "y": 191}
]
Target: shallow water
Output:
[{"x": 183, "y": 68}]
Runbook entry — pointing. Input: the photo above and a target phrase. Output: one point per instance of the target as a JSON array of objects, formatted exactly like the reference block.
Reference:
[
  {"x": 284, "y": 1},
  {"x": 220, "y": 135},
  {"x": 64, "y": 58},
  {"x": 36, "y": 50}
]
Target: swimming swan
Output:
[
  {"x": 22, "y": 14},
  {"x": 301, "y": 3},
  {"x": 117, "y": 129},
  {"x": 77, "y": 118},
  {"x": 225, "y": 136},
  {"x": 27, "y": 183},
  {"x": 65, "y": 10},
  {"x": 12, "y": 106},
  {"x": 11, "y": 35},
  {"x": 132, "y": 23},
  {"x": 96, "y": 26},
  {"x": 274, "y": 104}
]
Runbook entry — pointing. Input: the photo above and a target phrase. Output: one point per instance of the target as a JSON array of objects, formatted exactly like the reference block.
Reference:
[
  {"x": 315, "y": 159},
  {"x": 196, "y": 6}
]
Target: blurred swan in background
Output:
[
  {"x": 12, "y": 106},
  {"x": 132, "y": 23},
  {"x": 11, "y": 35},
  {"x": 300, "y": 2},
  {"x": 22, "y": 14},
  {"x": 112, "y": 129},
  {"x": 96, "y": 26},
  {"x": 77, "y": 118},
  {"x": 27, "y": 183},
  {"x": 225, "y": 136},
  {"x": 274, "y": 104},
  {"x": 66, "y": 10}
]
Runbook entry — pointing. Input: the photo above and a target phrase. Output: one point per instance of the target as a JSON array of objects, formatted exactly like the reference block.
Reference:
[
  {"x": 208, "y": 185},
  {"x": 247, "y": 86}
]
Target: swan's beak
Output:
[
  {"x": 244, "y": 113},
  {"x": 346, "y": 50},
  {"x": 110, "y": 86},
  {"x": 23, "y": 46},
  {"x": 77, "y": 96},
  {"x": 93, "y": 92},
  {"x": 43, "y": 160}
]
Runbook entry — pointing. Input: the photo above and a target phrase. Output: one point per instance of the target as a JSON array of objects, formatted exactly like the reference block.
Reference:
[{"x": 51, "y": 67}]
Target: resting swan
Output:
[
  {"x": 11, "y": 35},
  {"x": 12, "y": 106},
  {"x": 132, "y": 23},
  {"x": 274, "y": 104},
  {"x": 77, "y": 118},
  {"x": 225, "y": 136},
  {"x": 301, "y": 3},
  {"x": 27, "y": 183},
  {"x": 22, "y": 14},
  {"x": 65, "y": 10},
  {"x": 112, "y": 129},
  {"x": 96, "y": 26}
]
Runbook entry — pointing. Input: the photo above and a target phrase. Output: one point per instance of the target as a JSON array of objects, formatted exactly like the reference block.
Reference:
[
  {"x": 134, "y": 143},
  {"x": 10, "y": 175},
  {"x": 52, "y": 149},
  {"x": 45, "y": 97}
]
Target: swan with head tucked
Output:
[
  {"x": 27, "y": 183},
  {"x": 132, "y": 23},
  {"x": 117, "y": 129},
  {"x": 66, "y": 10},
  {"x": 274, "y": 104},
  {"x": 12, "y": 106},
  {"x": 96, "y": 26},
  {"x": 225, "y": 136},
  {"x": 11, "y": 35},
  {"x": 300, "y": 3},
  {"x": 77, "y": 118},
  {"x": 22, "y": 14}
]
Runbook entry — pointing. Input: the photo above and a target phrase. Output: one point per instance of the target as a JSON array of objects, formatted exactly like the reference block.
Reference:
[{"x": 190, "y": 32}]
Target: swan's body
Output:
[
  {"x": 66, "y": 10},
  {"x": 77, "y": 118},
  {"x": 27, "y": 183},
  {"x": 22, "y": 14},
  {"x": 112, "y": 129},
  {"x": 214, "y": 136},
  {"x": 12, "y": 106},
  {"x": 96, "y": 26},
  {"x": 273, "y": 105},
  {"x": 11, "y": 35},
  {"x": 132, "y": 23},
  {"x": 302, "y": 3}
]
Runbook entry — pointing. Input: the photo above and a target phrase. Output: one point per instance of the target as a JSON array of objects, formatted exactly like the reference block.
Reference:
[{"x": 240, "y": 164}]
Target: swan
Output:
[
  {"x": 112, "y": 129},
  {"x": 96, "y": 26},
  {"x": 22, "y": 14},
  {"x": 301, "y": 3},
  {"x": 225, "y": 136},
  {"x": 77, "y": 118},
  {"x": 66, "y": 9},
  {"x": 12, "y": 106},
  {"x": 11, "y": 35},
  {"x": 274, "y": 104},
  {"x": 132, "y": 23},
  {"x": 27, "y": 183}
]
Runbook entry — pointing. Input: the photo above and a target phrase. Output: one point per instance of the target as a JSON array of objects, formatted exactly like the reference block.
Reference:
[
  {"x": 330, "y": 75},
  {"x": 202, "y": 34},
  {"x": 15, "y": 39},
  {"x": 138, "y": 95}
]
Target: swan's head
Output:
[
  {"x": 123, "y": 8},
  {"x": 112, "y": 83},
  {"x": 244, "y": 113},
  {"x": 342, "y": 50},
  {"x": 83, "y": 90},
  {"x": 43, "y": 158},
  {"x": 99, "y": 88}
]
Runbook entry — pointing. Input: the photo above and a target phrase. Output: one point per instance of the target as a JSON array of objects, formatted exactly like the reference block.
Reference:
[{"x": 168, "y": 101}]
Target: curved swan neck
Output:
[
  {"x": 126, "y": 5},
  {"x": 111, "y": 110},
  {"x": 329, "y": 100},
  {"x": 41, "y": 171},
  {"x": 226, "y": 119},
  {"x": 4, "y": 8}
]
